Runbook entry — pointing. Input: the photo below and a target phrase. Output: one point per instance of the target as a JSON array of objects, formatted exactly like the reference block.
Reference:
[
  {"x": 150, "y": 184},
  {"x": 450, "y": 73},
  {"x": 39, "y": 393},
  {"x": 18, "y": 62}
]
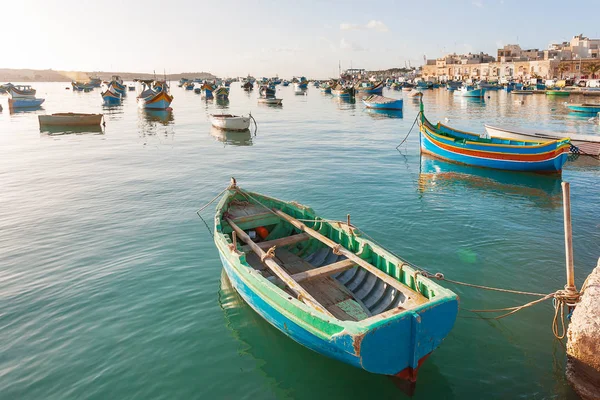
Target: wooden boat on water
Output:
[
  {"x": 327, "y": 286},
  {"x": 494, "y": 152},
  {"x": 230, "y": 122},
  {"x": 270, "y": 100},
  {"x": 369, "y": 87},
  {"x": 522, "y": 91},
  {"x": 382, "y": 103},
  {"x": 343, "y": 91},
  {"x": 110, "y": 97},
  {"x": 82, "y": 86},
  {"x": 267, "y": 91},
  {"x": 248, "y": 86},
  {"x": 188, "y": 85},
  {"x": 25, "y": 102},
  {"x": 70, "y": 119},
  {"x": 590, "y": 108},
  {"x": 221, "y": 93},
  {"x": 558, "y": 93},
  {"x": 325, "y": 88},
  {"x": 21, "y": 92},
  {"x": 154, "y": 95},
  {"x": 469, "y": 91},
  {"x": 207, "y": 90},
  {"x": 580, "y": 144}
]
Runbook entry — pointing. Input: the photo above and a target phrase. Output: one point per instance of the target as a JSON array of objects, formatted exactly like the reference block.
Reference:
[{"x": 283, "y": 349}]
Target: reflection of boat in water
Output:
[
  {"x": 164, "y": 117},
  {"x": 438, "y": 175},
  {"x": 234, "y": 138},
  {"x": 383, "y": 114},
  {"x": 70, "y": 130}
]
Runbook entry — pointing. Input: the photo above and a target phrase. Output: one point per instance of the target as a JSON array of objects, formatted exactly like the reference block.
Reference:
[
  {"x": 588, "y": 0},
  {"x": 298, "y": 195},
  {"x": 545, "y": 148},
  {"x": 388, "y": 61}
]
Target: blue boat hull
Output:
[
  {"x": 584, "y": 109},
  {"x": 111, "y": 99},
  {"x": 552, "y": 165},
  {"x": 378, "y": 90},
  {"x": 401, "y": 344},
  {"x": 396, "y": 105},
  {"x": 25, "y": 103},
  {"x": 208, "y": 94}
]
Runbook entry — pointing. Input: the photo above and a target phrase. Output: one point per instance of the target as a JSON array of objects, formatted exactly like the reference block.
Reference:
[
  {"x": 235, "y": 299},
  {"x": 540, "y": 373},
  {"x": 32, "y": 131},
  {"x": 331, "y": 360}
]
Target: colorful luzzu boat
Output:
[
  {"x": 382, "y": 103},
  {"x": 207, "y": 90},
  {"x": 110, "y": 98},
  {"x": 369, "y": 88},
  {"x": 494, "y": 152},
  {"x": 154, "y": 96},
  {"x": 330, "y": 288},
  {"x": 221, "y": 93}
]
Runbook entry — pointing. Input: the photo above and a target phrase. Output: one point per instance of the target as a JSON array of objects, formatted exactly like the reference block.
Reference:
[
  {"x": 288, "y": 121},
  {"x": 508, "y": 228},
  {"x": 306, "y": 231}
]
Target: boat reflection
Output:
[
  {"x": 274, "y": 354},
  {"x": 71, "y": 130},
  {"x": 233, "y": 138},
  {"x": 164, "y": 117},
  {"x": 436, "y": 175},
  {"x": 582, "y": 163},
  {"x": 222, "y": 103},
  {"x": 383, "y": 114}
]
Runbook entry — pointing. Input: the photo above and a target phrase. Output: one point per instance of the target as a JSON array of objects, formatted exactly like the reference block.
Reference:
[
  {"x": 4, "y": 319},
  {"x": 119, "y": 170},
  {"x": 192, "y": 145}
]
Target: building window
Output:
[{"x": 577, "y": 68}]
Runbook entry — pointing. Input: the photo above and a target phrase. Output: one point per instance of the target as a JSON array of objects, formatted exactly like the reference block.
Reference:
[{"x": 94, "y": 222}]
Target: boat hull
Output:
[
  {"x": 111, "y": 99},
  {"x": 396, "y": 105},
  {"x": 231, "y": 124},
  {"x": 25, "y": 102},
  {"x": 547, "y": 162},
  {"x": 582, "y": 108},
  {"x": 478, "y": 93},
  {"x": 588, "y": 145},
  {"x": 160, "y": 101},
  {"x": 395, "y": 344},
  {"x": 70, "y": 119}
]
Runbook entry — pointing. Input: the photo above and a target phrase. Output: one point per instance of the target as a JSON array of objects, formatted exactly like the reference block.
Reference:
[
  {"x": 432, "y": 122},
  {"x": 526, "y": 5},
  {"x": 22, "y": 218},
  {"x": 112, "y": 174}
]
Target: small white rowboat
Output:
[
  {"x": 270, "y": 101},
  {"x": 230, "y": 122},
  {"x": 70, "y": 119}
]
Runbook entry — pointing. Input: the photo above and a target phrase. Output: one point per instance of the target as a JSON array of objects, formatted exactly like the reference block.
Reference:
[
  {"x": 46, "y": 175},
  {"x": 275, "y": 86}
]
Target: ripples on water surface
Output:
[{"x": 111, "y": 287}]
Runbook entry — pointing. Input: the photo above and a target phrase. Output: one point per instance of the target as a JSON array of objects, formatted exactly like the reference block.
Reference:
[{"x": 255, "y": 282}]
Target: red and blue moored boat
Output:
[{"x": 493, "y": 152}]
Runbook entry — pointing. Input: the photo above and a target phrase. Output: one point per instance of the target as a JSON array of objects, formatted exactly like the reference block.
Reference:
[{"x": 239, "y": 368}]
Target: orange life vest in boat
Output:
[{"x": 262, "y": 232}]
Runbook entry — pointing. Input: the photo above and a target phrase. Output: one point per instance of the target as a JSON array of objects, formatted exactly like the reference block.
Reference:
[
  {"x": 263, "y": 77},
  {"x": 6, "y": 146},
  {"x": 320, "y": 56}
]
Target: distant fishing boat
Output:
[
  {"x": 327, "y": 286},
  {"x": 369, "y": 87},
  {"x": 270, "y": 100},
  {"x": 188, "y": 85},
  {"x": 589, "y": 108},
  {"x": 453, "y": 85},
  {"x": 131, "y": 88},
  {"x": 117, "y": 85},
  {"x": 325, "y": 88},
  {"x": 343, "y": 91},
  {"x": 70, "y": 119},
  {"x": 21, "y": 92},
  {"x": 494, "y": 152},
  {"x": 230, "y": 122},
  {"x": 469, "y": 91},
  {"x": 154, "y": 95},
  {"x": 522, "y": 91},
  {"x": 221, "y": 93},
  {"x": 580, "y": 144},
  {"x": 300, "y": 83},
  {"x": 382, "y": 103},
  {"x": 81, "y": 86},
  {"x": 248, "y": 86},
  {"x": 182, "y": 81},
  {"x": 285, "y": 83},
  {"x": 267, "y": 91},
  {"x": 207, "y": 90},
  {"x": 558, "y": 93},
  {"x": 24, "y": 102},
  {"x": 110, "y": 98}
]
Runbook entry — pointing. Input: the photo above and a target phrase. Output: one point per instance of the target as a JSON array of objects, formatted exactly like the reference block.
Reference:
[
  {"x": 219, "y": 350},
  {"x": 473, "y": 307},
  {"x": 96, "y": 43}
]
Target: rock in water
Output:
[{"x": 583, "y": 341}]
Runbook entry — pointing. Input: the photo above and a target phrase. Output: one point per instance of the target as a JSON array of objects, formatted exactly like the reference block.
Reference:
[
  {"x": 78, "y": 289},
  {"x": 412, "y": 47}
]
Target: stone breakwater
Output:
[{"x": 583, "y": 341}]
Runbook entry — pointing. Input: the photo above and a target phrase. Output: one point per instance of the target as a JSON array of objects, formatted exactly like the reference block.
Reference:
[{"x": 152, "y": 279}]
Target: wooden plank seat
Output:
[{"x": 285, "y": 241}]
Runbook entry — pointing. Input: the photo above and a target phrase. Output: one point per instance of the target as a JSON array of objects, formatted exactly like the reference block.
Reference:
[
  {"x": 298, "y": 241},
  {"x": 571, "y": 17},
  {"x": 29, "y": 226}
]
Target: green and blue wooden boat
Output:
[
  {"x": 327, "y": 286},
  {"x": 590, "y": 108}
]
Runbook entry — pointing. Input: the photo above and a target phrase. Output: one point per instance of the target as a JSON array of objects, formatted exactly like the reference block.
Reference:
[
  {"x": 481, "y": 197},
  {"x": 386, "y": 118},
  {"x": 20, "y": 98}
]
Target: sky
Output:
[{"x": 268, "y": 38}]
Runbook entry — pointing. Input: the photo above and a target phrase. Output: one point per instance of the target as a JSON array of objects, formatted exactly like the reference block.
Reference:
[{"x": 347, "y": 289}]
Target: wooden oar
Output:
[
  {"x": 413, "y": 298},
  {"x": 294, "y": 286}
]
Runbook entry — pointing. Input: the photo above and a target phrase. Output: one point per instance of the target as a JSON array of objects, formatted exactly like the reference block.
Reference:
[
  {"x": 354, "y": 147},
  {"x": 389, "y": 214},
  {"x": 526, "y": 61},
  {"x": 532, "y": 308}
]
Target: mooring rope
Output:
[{"x": 410, "y": 130}]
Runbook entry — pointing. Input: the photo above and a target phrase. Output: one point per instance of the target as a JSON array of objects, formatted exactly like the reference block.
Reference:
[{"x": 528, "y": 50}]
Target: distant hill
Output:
[{"x": 49, "y": 75}]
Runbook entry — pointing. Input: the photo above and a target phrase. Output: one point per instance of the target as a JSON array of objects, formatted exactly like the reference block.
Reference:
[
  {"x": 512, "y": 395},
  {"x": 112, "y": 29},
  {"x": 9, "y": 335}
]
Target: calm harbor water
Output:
[{"x": 111, "y": 287}]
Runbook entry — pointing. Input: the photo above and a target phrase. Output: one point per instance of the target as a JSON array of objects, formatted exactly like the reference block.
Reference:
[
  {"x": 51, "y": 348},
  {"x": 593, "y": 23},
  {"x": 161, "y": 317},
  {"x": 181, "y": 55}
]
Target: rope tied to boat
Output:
[
  {"x": 337, "y": 250},
  {"x": 269, "y": 254},
  {"x": 410, "y": 130}
]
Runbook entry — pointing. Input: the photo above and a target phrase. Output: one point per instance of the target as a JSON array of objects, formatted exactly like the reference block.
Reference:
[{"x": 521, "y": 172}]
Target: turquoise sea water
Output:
[{"x": 111, "y": 287}]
